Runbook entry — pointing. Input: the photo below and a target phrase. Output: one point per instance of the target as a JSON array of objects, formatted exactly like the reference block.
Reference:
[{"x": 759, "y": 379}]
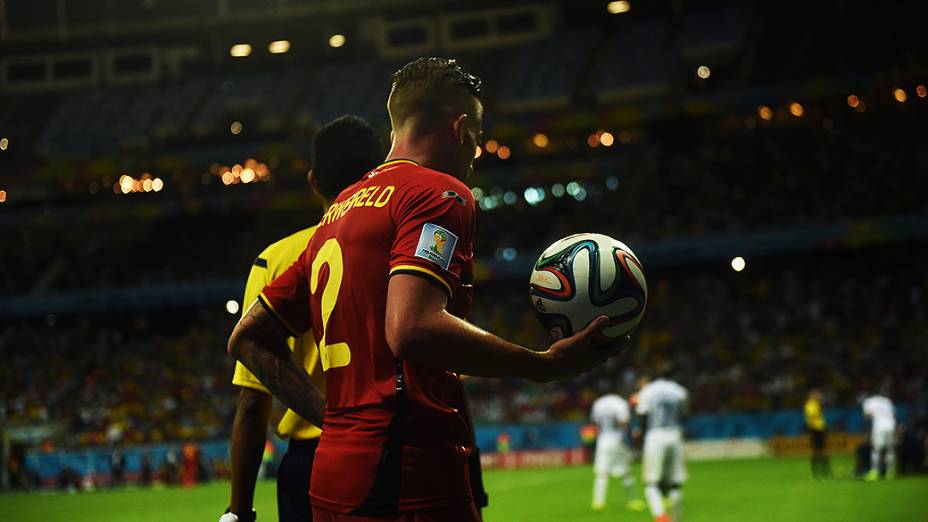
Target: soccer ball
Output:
[{"x": 583, "y": 276}]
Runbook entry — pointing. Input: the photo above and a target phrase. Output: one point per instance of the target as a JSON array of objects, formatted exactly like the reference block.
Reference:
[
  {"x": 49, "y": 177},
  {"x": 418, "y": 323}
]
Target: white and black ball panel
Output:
[{"x": 586, "y": 275}]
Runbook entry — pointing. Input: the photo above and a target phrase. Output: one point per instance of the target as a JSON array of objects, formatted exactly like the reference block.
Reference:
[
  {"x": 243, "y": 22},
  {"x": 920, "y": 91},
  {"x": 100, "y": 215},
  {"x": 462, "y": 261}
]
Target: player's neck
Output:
[{"x": 424, "y": 151}]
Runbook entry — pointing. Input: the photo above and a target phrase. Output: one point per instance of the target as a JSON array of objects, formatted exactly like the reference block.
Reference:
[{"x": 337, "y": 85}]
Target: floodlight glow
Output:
[
  {"x": 278, "y": 46},
  {"x": 619, "y": 7},
  {"x": 737, "y": 264},
  {"x": 336, "y": 40},
  {"x": 240, "y": 50}
]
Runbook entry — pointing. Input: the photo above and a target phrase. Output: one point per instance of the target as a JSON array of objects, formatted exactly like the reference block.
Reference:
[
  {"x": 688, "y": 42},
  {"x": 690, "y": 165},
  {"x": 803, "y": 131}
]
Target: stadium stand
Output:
[{"x": 826, "y": 202}]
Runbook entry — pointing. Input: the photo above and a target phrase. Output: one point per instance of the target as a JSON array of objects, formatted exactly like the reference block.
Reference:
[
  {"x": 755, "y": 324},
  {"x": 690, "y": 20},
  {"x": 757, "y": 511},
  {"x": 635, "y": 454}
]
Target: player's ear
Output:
[
  {"x": 311, "y": 178},
  {"x": 459, "y": 128}
]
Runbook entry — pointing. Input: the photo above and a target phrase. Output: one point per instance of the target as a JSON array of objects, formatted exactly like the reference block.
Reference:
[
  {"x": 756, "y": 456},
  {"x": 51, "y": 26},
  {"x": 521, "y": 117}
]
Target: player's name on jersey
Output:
[{"x": 375, "y": 196}]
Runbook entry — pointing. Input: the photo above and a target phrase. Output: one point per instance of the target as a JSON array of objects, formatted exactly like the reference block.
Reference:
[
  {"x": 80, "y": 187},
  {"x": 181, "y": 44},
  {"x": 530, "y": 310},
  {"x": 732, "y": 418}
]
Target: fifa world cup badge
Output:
[{"x": 436, "y": 244}]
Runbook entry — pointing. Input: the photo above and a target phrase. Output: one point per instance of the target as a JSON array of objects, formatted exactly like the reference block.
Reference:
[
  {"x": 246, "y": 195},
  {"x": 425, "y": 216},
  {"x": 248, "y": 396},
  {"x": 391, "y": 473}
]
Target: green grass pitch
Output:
[{"x": 755, "y": 490}]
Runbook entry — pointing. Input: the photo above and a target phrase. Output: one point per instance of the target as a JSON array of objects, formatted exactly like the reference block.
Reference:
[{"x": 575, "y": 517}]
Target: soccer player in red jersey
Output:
[
  {"x": 343, "y": 149},
  {"x": 381, "y": 285}
]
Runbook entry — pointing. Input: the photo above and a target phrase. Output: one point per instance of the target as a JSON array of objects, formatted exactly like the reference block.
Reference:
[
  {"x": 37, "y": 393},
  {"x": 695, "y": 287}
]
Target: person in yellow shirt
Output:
[
  {"x": 343, "y": 151},
  {"x": 815, "y": 423}
]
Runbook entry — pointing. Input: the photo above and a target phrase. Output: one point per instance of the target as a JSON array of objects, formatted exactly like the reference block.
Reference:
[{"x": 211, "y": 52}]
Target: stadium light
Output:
[
  {"x": 489, "y": 202},
  {"x": 796, "y": 109},
  {"x": 157, "y": 184},
  {"x": 921, "y": 91},
  {"x": 278, "y": 46},
  {"x": 765, "y": 113},
  {"x": 606, "y": 139},
  {"x": 737, "y": 264},
  {"x": 232, "y": 306},
  {"x": 899, "y": 95},
  {"x": 540, "y": 140},
  {"x": 572, "y": 188},
  {"x": 619, "y": 7},
  {"x": 248, "y": 175},
  {"x": 240, "y": 50},
  {"x": 534, "y": 195},
  {"x": 4, "y": 143},
  {"x": 336, "y": 40},
  {"x": 703, "y": 72},
  {"x": 126, "y": 183}
]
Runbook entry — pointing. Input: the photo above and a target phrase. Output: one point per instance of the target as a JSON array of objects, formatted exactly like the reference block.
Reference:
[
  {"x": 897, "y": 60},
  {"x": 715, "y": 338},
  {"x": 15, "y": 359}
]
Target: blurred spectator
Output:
[
  {"x": 117, "y": 468},
  {"x": 190, "y": 465},
  {"x": 69, "y": 479},
  {"x": 145, "y": 476}
]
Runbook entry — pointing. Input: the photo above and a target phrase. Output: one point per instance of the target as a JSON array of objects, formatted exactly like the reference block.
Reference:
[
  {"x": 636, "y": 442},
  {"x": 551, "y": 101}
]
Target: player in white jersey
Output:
[
  {"x": 879, "y": 410},
  {"x": 664, "y": 403},
  {"x": 613, "y": 457}
]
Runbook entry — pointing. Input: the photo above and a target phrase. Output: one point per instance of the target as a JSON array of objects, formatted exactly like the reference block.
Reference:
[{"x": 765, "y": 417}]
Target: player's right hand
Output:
[{"x": 574, "y": 355}]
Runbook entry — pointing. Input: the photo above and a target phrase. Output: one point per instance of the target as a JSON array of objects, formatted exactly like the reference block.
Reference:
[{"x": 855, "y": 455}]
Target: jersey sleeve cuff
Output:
[
  {"x": 424, "y": 272},
  {"x": 250, "y": 385},
  {"x": 270, "y": 308},
  {"x": 244, "y": 378}
]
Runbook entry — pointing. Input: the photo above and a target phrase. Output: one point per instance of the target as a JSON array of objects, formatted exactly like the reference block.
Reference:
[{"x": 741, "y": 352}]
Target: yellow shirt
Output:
[
  {"x": 814, "y": 418},
  {"x": 273, "y": 261}
]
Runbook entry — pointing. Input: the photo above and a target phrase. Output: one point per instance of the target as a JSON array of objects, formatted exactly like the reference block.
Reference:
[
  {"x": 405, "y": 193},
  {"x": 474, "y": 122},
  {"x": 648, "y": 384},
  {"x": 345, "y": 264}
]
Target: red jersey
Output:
[{"x": 395, "y": 436}]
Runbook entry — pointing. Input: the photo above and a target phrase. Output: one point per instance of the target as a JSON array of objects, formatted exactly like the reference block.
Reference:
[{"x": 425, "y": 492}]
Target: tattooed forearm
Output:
[
  {"x": 286, "y": 380},
  {"x": 259, "y": 341}
]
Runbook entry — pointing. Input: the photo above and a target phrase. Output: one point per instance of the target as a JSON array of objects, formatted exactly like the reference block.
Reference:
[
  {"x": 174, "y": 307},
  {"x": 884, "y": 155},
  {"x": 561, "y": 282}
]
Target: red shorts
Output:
[{"x": 455, "y": 514}]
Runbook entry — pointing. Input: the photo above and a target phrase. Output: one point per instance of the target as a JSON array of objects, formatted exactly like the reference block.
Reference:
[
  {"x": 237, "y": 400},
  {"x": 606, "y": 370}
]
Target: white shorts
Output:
[
  {"x": 612, "y": 456},
  {"x": 883, "y": 437},
  {"x": 663, "y": 456}
]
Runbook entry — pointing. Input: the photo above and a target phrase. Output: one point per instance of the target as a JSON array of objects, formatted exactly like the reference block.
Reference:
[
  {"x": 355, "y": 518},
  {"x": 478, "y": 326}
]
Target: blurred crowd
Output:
[
  {"x": 137, "y": 378},
  {"x": 847, "y": 323},
  {"x": 686, "y": 178},
  {"x": 672, "y": 179}
]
